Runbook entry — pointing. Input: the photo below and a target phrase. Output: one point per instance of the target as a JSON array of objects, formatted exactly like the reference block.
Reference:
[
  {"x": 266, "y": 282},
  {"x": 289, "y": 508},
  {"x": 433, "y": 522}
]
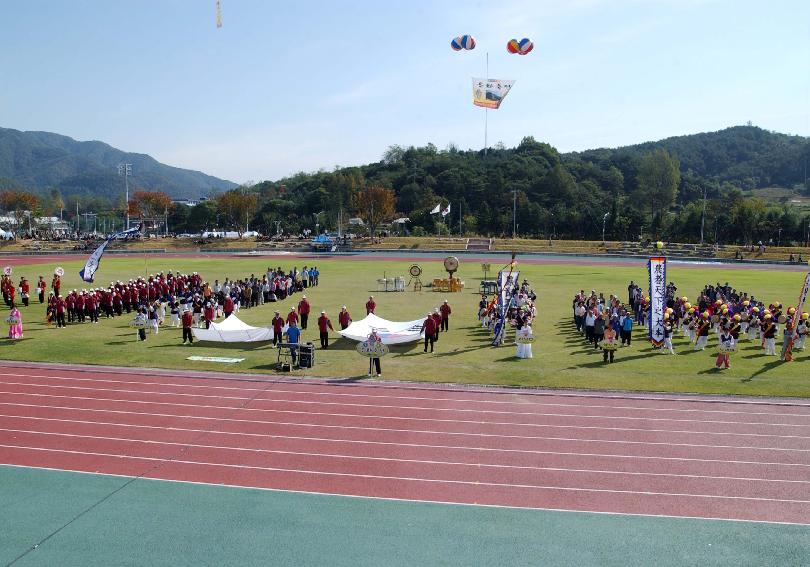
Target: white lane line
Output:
[
  {"x": 380, "y": 406},
  {"x": 403, "y": 500},
  {"x": 417, "y": 398},
  {"x": 399, "y": 460},
  {"x": 393, "y": 418},
  {"x": 410, "y": 479},
  {"x": 423, "y": 445},
  {"x": 411, "y": 431}
]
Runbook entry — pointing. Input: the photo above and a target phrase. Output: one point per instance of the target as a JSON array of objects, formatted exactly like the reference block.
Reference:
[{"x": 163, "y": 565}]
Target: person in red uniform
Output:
[
  {"x": 209, "y": 313},
  {"x": 70, "y": 303},
  {"x": 292, "y": 316},
  {"x": 41, "y": 286},
  {"x": 188, "y": 320},
  {"x": 324, "y": 324},
  {"x": 437, "y": 321},
  {"x": 81, "y": 301},
  {"x": 56, "y": 283},
  {"x": 445, "y": 313},
  {"x": 344, "y": 318},
  {"x": 370, "y": 305},
  {"x": 60, "y": 311},
  {"x": 303, "y": 310},
  {"x": 278, "y": 326},
  {"x": 429, "y": 328},
  {"x": 25, "y": 290},
  {"x": 227, "y": 306}
]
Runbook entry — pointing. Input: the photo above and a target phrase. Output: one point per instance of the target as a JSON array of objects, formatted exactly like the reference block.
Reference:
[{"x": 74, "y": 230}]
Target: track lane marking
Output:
[
  {"x": 411, "y": 479},
  {"x": 421, "y": 398},
  {"x": 410, "y": 431},
  {"x": 397, "y": 460},
  {"x": 414, "y": 408},
  {"x": 393, "y": 418}
]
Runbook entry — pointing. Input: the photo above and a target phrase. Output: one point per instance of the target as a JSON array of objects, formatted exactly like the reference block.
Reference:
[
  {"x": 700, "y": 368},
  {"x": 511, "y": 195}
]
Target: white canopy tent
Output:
[
  {"x": 233, "y": 330},
  {"x": 390, "y": 332}
]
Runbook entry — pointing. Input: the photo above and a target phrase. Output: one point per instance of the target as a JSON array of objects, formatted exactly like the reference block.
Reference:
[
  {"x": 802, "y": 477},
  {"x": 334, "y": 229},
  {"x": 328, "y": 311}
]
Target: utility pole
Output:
[
  {"x": 125, "y": 169},
  {"x": 604, "y": 222},
  {"x": 514, "y": 212},
  {"x": 703, "y": 215}
]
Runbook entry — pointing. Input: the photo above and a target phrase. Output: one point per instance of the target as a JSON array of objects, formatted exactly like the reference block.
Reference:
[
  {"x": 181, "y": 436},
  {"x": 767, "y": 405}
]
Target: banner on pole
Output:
[
  {"x": 794, "y": 322},
  {"x": 657, "y": 268},
  {"x": 489, "y": 93}
]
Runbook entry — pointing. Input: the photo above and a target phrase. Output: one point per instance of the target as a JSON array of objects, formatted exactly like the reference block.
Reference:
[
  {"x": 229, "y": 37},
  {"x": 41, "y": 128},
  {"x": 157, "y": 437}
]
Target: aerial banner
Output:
[
  {"x": 657, "y": 268},
  {"x": 489, "y": 93},
  {"x": 94, "y": 260}
]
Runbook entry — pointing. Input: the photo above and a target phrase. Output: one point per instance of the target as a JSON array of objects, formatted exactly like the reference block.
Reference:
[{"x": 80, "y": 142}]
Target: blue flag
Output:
[{"x": 94, "y": 260}]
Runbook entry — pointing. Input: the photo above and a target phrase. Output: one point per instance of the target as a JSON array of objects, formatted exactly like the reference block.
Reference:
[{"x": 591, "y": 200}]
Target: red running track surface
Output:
[{"x": 708, "y": 457}]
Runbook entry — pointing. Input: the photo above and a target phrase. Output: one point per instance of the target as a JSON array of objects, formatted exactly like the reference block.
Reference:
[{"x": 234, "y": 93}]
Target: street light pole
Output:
[
  {"x": 125, "y": 169},
  {"x": 514, "y": 213}
]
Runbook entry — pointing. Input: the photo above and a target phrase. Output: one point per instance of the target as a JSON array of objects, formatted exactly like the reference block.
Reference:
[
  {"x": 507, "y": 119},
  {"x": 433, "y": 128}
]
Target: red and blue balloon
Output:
[
  {"x": 522, "y": 47},
  {"x": 463, "y": 42}
]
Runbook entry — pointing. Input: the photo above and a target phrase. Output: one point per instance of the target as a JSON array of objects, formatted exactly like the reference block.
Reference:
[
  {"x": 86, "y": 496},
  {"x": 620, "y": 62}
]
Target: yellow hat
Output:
[
  {"x": 719, "y": 302},
  {"x": 791, "y": 310},
  {"x": 737, "y": 317},
  {"x": 755, "y": 310},
  {"x": 767, "y": 315},
  {"x": 705, "y": 315},
  {"x": 684, "y": 299},
  {"x": 804, "y": 316},
  {"x": 691, "y": 310},
  {"x": 688, "y": 305},
  {"x": 746, "y": 303}
]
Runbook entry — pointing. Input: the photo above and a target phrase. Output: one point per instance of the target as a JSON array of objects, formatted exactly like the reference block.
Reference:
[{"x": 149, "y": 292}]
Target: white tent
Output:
[
  {"x": 233, "y": 330},
  {"x": 390, "y": 332}
]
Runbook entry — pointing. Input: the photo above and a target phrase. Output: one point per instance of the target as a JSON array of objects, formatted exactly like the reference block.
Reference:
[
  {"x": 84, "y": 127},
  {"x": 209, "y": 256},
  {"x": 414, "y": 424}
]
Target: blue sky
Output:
[{"x": 285, "y": 87}]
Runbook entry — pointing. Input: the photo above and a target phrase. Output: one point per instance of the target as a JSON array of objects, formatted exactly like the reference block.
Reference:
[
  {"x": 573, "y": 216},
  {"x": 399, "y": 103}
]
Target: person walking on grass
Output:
[
  {"x": 608, "y": 344},
  {"x": 344, "y": 318},
  {"x": 188, "y": 321},
  {"x": 374, "y": 361},
  {"x": 324, "y": 326},
  {"x": 303, "y": 311},
  {"x": 445, "y": 312},
  {"x": 429, "y": 329}
]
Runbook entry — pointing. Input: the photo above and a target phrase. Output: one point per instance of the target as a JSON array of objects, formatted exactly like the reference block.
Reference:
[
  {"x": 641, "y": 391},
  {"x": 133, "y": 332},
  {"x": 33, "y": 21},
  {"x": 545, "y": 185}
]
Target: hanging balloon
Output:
[
  {"x": 467, "y": 42},
  {"x": 525, "y": 46},
  {"x": 456, "y": 44},
  {"x": 513, "y": 46}
]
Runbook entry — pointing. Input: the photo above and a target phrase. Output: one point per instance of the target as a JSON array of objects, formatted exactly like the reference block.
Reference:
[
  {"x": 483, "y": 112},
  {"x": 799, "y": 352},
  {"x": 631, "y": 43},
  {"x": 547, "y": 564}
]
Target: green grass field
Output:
[{"x": 561, "y": 358}]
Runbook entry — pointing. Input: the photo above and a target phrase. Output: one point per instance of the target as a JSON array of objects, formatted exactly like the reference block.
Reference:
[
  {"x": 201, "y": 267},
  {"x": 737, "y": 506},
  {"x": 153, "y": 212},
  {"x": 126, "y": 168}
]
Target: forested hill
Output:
[
  {"x": 655, "y": 187},
  {"x": 746, "y": 156},
  {"x": 45, "y": 161}
]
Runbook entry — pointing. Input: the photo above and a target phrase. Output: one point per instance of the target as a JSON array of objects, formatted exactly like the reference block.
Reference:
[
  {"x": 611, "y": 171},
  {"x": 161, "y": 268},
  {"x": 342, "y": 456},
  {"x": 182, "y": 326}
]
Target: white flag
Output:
[
  {"x": 436, "y": 209},
  {"x": 446, "y": 211}
]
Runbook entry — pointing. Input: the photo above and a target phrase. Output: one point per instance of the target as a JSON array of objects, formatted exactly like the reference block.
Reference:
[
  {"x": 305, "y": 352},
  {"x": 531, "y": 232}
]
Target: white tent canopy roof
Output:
[
  {"x": 233, "y": 330},
  {"x": 390, "y": 332}
]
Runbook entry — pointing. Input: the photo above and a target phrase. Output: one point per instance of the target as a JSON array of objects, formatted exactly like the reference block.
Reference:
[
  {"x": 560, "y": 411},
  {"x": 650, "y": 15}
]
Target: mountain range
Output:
[{"x": 42, "y": 161}]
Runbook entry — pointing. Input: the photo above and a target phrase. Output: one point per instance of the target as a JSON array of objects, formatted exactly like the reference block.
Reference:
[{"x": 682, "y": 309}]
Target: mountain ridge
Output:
[{"x": 42, "y": 161}]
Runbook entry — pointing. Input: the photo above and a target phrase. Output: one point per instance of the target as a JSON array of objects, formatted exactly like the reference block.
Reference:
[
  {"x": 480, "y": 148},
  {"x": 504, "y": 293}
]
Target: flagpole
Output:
[{"x": 486, "y": 110}]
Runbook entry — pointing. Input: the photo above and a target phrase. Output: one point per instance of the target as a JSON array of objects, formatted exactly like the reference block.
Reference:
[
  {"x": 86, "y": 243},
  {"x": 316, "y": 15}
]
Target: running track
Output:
[{"x": 707, "y": 457}]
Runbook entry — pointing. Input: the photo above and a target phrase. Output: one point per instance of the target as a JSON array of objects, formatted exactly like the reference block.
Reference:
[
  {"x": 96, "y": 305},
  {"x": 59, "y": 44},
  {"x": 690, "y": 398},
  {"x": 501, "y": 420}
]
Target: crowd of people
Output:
[
  {"x": 521, "y": 312},
  {"x": 722, "y": 310}
]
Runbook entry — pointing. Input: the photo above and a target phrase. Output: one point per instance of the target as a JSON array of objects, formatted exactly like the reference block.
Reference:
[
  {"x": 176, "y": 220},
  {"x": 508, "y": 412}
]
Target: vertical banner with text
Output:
[
  {"x": 795, "y": 320},
  {"x": 657, "y": 268}
]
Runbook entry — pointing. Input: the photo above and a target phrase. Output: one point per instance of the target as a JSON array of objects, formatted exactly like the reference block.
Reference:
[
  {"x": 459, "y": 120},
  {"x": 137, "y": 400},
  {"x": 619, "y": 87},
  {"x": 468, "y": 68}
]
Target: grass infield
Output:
[{"x": 561, "y": 357}]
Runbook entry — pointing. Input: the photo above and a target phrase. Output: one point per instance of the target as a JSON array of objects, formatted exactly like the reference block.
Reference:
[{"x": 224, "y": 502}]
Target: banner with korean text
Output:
[
  {"x": 657, "y": 268},
  {"x": 489, "y": 93}
]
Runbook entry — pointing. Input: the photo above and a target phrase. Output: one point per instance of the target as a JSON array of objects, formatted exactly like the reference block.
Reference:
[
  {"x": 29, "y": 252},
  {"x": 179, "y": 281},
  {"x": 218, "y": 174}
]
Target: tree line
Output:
[{"x": 688, "y": 189}]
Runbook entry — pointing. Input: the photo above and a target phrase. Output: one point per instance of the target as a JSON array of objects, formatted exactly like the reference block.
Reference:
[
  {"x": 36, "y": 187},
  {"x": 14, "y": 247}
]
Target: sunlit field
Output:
[{"x": 464, "y": 355}]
